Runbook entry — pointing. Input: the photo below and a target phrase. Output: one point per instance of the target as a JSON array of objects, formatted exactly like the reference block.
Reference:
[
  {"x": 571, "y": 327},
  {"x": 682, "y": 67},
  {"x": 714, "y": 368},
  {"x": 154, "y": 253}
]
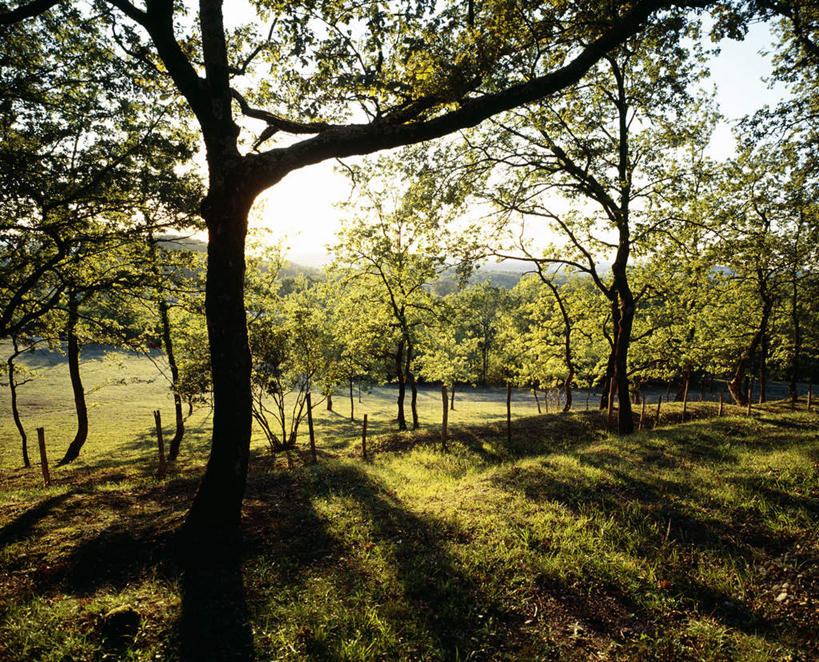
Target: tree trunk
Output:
[
  {"x": 399, "y": 371},
  {"x": 763, "y": 368},
  {"x": 413, "y": 387},
  {"x": 352, "y": 401},
  {"x": 14, "y": 411},
  {"x": 330, "y": 400},
  {"x": 215, "y": 513},
  {"x": 73, "y": 353},
  {"x": 445, "y": 416},
  {"x": 167, "y": 341},
  {"x": 567, "y": 389},
  {"x": 537, "y": 401},
  {"x": 625, "y": 425},
  {"x": 744, "y": 361},
  {"x": 797, "y": 341},
  {"x": 452, "y": 398}
]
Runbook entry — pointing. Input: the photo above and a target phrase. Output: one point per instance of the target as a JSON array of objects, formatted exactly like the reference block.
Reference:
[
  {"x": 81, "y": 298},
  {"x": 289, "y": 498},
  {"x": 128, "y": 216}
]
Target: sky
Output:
[{"x": 300, "y": 211}]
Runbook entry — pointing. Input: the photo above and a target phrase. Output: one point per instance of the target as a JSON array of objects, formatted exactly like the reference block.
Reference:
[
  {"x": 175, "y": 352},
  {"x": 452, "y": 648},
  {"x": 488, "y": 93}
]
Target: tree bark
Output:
[
  {"x": 797, "y": 341},
  {"x": 73, "y": 353},
  {"x": 216, "y": 508},
  {"x": 413, "y": 387},
  {"x": 452, "y": 398},
  {"x": 399, "y": 371},
  {"x": 14, "y": 410},
  {"x": 352, "y": 401}
]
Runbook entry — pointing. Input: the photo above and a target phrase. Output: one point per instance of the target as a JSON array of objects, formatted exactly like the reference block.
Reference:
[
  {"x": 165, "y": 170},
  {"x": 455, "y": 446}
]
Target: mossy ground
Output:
[{"x": 676, "y": 543}]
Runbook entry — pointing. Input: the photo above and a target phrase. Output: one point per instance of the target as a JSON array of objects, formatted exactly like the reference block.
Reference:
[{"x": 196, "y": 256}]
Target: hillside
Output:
[{"x": 692, "y": 541}]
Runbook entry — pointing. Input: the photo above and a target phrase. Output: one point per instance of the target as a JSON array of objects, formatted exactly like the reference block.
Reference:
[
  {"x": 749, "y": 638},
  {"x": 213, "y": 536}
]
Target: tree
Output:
[
  {"x": 446, "y": 352},
  {"x": 408, "y": 92},
  {"x": 600, "y": 147},
  {"x": 397, "y": 244}
]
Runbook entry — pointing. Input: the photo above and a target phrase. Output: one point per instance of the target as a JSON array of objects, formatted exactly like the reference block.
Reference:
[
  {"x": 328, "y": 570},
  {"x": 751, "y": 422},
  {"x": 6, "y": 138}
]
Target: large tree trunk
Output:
[
  {"x": 215, "y": 513},
  {"x": 615, "y": 328},
  {"x": 399, "y": 371},
  {"x": 73, "y": 353},
  {"x": 15, "y": 413},
  {"x": 167, "y": 341},
  {"x": 625, "y": 425}
]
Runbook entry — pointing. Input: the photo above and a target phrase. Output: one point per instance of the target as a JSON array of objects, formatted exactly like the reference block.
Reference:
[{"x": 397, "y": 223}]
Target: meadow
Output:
[{"x": 689, "y": 541}]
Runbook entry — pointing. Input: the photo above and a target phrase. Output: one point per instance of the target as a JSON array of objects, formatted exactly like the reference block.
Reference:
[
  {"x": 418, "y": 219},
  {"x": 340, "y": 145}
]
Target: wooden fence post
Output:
[
  {"x": 310, "y": 429},
  {"x": 364, "y": 438},
  {"x": 43, "y": 458},
  {"x": 161, "y": 445}
]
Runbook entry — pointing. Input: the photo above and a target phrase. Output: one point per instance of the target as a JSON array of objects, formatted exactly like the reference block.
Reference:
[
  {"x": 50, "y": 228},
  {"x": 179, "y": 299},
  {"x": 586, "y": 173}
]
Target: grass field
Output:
[{"x": 693, "y": 541}]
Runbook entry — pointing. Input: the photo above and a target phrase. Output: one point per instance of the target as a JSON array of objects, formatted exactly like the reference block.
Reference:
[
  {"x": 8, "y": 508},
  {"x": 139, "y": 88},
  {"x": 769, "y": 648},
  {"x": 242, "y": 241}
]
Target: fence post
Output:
[
  {"x": 43, "y": 458},
  {"x": 310, "y": 428},
  {"x": 160, "y": 444},
  {"x": 364, "y": 438}
]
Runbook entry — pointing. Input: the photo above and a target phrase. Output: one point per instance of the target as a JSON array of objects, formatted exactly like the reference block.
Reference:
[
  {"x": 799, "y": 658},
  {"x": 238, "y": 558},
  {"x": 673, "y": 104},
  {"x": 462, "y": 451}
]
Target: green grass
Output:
[{"x": 568, "y": 543}]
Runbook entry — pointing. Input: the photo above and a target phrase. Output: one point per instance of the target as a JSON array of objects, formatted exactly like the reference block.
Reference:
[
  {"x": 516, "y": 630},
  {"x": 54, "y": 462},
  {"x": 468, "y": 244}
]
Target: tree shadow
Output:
[{"x": 436, "y": 600}]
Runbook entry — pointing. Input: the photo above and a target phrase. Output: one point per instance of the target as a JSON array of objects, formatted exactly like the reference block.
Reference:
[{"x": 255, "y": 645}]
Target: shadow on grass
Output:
[
  {"x": 435, "y": 605},
  {"x": 672, "y": 520}
]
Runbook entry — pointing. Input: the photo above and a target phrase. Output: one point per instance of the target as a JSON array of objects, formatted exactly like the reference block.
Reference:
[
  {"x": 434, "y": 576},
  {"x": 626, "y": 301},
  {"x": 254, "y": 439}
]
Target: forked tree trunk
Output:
[
  {"x": 399, "y": 371},
  {"x": 15, "y": 413},
  {"x": 216, "y": 508},
  {"x": 73, "y": 353},
  {"x": 167, "y": 341},
  {"x": 413, "y": 387},
  {"x": 744, "y": 361}
]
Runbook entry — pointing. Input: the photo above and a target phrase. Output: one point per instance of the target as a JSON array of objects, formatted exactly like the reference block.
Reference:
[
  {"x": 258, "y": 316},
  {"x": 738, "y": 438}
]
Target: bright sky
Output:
[{"x": 300, "y": 209}]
